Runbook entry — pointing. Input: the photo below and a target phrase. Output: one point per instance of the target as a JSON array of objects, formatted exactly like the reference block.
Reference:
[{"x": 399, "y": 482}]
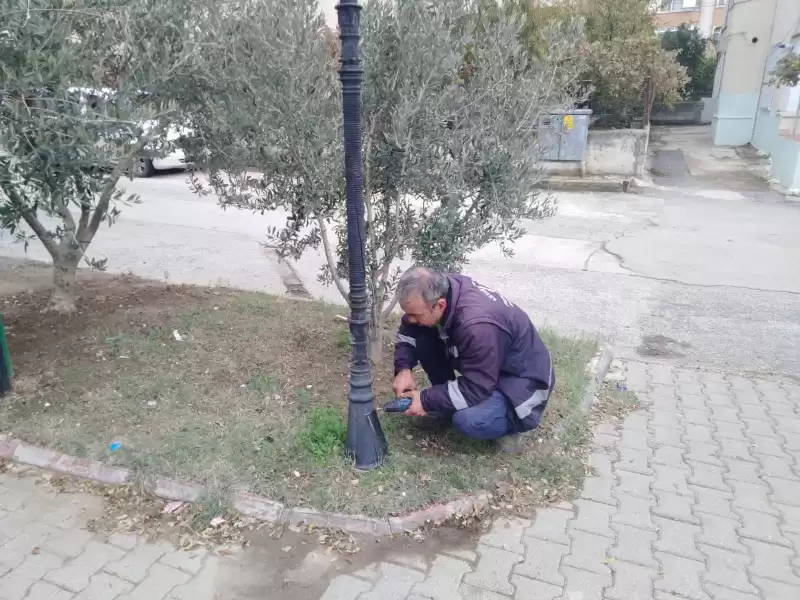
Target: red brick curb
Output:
[{"x": 262, "y": 509}]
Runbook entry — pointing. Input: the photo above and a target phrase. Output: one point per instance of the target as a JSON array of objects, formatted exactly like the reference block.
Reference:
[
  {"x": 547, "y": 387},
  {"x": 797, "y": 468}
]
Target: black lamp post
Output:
[{"x": 365, "y": 440}]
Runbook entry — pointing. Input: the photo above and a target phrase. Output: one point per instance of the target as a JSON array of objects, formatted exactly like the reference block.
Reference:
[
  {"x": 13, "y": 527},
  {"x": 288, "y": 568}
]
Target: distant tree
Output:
[
  {"x": 691, "y": 51},
  {"x": 449, "y": 120},
  {"x": 80, "y": 101},
  {"x": 627, "y": 70},
  {"x": 787, "y": 70}
]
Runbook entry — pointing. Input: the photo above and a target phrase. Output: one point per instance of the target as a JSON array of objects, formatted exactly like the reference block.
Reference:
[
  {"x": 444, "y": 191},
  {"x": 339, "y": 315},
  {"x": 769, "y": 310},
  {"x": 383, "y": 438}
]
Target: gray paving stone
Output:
[
  {"x": 730, "y": 414},
  {"x": 584, "y": 585},
  {"x": 767, "y": 446},
  {"x": 36, "y": 566},
  {"x": 588, "y": 552},
  {"x": 630, "y": 581},
  {"x": 718, "y": 398},
  {"x": 775, "y": 590},
  {"x": 669, "y": 456},
  {"x": 753, "y": 411},
  {"x": 772, "y": 562},
  {"x": 550, "y": 524},
  {"x": 680, "y": 576},
  {"x": 75, "y": 575},
  {"x": 529, "y": 589},
  {"x": 634, "y": 545},
  {"x": 25, "y": 539},
  {"x": 781, "y": 410},
  {"x": 674, "y": 506},
  {"x": 542, "y": 561},
  {"x": 160, "y": 580},
  {"x": 669, "y": 436},
  {"x": 602, "y": 463},
  {"x": 41, "y": 590},
  {"x": 493, "y": 570},
  {"x": 661, "y": 374},
  {"x": 633, "y": 484},
  {"x": 345, "y": 587},
  {"x": 741, "y": 384},
  {"x": 696, "y": 416},
  {"x": 731, "y": 431},
  {"x": 68, "y": 544},
  {"x": 759, "y": 427},
  {"x": 632, "y": 459},
  {"x": 636, "y": 376},
  {"x": 749, "y": 496},
  {"x": 203, "y": 585},
  {"x": 443, "y": 580},
  {"x": 126, "y": 541},
  {"x": 593, "y": 517},
  {"x": 677, "y": 537},
  {"x": 671, "y": 479},
  {"x": 693, "y": 399},
  {"x": 784, "y": 491},
  {"x": 790, "y": 515},
  {"x": 470, "y": 592},
  {"x": 15, "y": 587},
  {"x": 743, "y": 470},
  {"x": 461, "y": 553},
  {"x": 736, "y": 449},
  {"x": 710, "y": 476},
  {"x": 134, "y": 565},
  {"x": 698, "y": 433},
  {"x": 720, "y": 532},
  {"x": 191, "y": 561},
  {"x": 13, "y": 498},
  {"x": 415, "y": 561},
  {"x": 634, "y": 511},
  {"x": 728, "y": 569},
  {"x": 671, "y": 417},
  {"x": 781, "y": 468},
  {"x": 105, "y": 587},
  {"x": 662, "y": 402},
  {"x": 713, "y": 502},
  {"x": 506, "y": 534},
  {"x": 705, "y": 453},
  {"x": 761, "y": 526},
  {"x": 684, "y": 376},
  {"x": 634, "y": 438},
  {"x": 722, "y": 593}
]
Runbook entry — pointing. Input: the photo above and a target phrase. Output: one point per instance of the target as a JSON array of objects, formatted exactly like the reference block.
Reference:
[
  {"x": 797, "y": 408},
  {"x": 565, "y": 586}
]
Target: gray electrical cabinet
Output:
[{"x": 562, "y": 135}]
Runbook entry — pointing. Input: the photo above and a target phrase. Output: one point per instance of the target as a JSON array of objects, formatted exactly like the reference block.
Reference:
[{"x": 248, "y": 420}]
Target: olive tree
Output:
[
  {"x": 81, "y": 100},
  {"x": 451, "y": 105}
]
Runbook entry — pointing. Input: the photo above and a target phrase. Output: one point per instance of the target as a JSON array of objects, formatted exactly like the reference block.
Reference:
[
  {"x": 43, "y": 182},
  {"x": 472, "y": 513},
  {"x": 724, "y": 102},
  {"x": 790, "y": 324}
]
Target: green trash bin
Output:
[{"x": 5, "y": 362}]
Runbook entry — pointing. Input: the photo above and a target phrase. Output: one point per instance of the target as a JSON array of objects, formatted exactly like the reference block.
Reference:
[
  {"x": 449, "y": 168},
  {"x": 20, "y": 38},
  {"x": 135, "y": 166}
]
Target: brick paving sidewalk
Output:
[{"x": 695, "y": 496}]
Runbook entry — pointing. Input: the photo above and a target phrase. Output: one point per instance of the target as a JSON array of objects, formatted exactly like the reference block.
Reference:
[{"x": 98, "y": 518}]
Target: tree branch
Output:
[
  {"x": 326, "y": 244},
  {"x": 34, "y": 223}
]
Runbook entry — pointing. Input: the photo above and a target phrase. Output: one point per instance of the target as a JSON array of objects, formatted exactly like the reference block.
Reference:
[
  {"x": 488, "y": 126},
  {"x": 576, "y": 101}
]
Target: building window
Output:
[
  {"x": 679, "y": 5},
  {"x": 722, "y": 2},
  {"x": 715, "y": 34}
]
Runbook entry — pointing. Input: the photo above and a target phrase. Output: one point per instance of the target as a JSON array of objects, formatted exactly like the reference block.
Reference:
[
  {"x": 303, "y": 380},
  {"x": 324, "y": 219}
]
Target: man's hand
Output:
[
  {"x": 403, "y": 381},
  {"x": 416, "y": 409}
]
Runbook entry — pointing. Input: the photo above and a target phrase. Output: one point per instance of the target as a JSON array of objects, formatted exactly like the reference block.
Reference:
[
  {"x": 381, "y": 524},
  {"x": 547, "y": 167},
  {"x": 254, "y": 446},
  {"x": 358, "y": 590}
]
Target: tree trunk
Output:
[
  {"x": 376, "y": 344},
  {"x": 63, "y": 298}
]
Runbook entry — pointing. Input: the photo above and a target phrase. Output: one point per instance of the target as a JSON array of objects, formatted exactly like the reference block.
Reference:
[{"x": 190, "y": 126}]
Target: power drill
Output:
[{"x": 397, "y": 405}]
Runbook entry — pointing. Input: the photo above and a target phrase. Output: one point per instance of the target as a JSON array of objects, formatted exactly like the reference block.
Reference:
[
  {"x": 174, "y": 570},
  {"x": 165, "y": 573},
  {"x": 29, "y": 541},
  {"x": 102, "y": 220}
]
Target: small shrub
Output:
[
  {"x": 342, "y": 339},
  {"x": 323, "y": 434}
]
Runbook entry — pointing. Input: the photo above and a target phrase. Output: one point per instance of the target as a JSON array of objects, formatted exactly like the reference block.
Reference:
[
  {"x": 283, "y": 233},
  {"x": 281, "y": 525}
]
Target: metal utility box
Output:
[{"x": 562, "y": 135}]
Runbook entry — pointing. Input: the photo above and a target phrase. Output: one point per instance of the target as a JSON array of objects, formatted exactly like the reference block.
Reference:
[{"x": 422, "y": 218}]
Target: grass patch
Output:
[{"x": 254, "y": 395}]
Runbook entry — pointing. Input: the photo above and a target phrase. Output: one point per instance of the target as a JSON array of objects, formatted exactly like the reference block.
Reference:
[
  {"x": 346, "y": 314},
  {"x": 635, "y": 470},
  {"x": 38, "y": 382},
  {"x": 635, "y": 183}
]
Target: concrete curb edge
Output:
[{"x": 255, "y": 506}]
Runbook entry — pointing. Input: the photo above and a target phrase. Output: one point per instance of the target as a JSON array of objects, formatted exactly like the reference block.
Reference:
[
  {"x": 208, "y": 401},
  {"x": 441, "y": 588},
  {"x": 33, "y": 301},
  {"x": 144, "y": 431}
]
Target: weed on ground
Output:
[{"x": 231, "y": 389}]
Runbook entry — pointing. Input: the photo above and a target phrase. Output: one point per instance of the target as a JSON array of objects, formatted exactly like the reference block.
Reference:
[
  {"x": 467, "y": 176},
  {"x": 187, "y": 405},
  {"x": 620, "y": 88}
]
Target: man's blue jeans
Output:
[{"x": 491, "y": 419}]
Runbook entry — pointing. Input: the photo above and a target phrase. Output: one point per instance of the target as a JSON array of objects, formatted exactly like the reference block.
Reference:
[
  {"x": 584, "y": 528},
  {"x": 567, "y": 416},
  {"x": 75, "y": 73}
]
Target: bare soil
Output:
[{"x": 228, "y": 388}]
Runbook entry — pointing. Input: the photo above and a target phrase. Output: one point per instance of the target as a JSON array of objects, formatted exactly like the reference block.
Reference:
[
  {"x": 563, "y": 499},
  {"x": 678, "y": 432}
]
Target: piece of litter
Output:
[
  {"x": 36, "y": 550},
  {"x": 172, "y": 507},
  {"x": 286, "y": 549},
  {"x": 151, "y": 403},
  {"x": 46, "y": 404},
  {"x": 309, "y": 386},
  {"x": 176, "y": 335},
  {"x": 217, "y": 521},
  {"x": 354, "y": 482},
  {"x": 297, "y": 473},
  {"x": 114, "y": 446}
]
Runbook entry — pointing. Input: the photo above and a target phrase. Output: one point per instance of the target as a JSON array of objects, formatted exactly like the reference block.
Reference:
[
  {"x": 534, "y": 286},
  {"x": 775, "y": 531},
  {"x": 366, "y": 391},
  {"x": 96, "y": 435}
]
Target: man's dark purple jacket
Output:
[{"x": 493, "y": 345}]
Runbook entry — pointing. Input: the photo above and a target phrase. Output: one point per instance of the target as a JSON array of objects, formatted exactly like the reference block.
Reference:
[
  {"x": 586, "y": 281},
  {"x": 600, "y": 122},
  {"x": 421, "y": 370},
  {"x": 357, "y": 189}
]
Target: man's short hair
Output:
[{"x": 428, "y": 284}]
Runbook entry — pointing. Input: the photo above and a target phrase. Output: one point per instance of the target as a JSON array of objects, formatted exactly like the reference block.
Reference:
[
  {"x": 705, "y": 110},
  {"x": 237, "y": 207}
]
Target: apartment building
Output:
[
  {"x": 748, "y": 108},
  {"x": 707, "y": 15}
]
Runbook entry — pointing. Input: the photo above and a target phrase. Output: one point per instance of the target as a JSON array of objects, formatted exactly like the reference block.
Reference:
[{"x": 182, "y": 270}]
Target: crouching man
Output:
[{"x": 455, "y": 325}]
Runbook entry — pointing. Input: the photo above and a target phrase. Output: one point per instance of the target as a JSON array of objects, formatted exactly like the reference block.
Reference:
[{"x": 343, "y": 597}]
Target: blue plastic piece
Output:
[
  {"x": 114, "y": 446},
  {"x": 397, "y": 405}
]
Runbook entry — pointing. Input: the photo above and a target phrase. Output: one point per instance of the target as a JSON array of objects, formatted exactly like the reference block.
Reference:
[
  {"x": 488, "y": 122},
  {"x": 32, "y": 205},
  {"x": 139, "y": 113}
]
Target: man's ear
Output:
[{"x": 442, "y": 304}]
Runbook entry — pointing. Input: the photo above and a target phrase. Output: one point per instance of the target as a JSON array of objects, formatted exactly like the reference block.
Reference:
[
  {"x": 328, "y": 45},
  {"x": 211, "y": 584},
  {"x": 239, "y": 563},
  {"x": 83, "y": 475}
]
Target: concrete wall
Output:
[
  {"x": 709, "y": 106},
  {"x": 784, "y": 152},
  {"x": 617, "y": 151}
]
